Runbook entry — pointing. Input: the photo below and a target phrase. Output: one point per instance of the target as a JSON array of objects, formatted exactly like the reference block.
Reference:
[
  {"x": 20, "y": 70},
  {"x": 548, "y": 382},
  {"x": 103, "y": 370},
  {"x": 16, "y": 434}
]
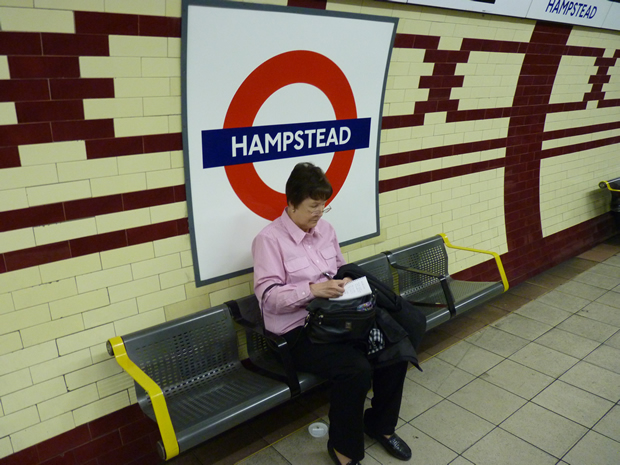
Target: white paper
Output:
[{"x": 354, "y": 289}]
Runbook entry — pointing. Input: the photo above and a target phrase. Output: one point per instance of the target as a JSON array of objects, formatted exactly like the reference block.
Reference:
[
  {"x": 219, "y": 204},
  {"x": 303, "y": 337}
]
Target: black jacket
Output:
[{"x": 402, "y": 324}]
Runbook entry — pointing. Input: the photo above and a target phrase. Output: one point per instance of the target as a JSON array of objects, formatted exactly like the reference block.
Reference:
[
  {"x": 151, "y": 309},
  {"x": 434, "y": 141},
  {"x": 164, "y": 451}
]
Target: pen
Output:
[{"x": 329, "y": 276}]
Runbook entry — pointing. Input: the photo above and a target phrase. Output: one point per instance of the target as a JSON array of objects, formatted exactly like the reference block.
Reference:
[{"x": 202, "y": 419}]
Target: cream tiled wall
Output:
[{"x": 55, "y": 373}]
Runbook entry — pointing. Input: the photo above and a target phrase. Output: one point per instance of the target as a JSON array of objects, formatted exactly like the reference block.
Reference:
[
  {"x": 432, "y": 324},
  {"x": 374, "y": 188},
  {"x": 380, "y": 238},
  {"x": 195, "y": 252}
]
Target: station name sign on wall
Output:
[
  {"x": 267, "y": 87},
  {"x": 594, "y": 13}
]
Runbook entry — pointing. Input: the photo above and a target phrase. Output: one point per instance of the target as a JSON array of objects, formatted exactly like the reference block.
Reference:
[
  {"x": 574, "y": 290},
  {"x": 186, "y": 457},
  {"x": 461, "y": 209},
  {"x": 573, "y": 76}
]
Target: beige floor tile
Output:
[
  {"x": 497, "y": 341},
  {"x": 426, "y": 450},
  {"x": 614, "y": 341},
  {"x": 488, "y": 401},
  {"x": 300, "y": 448},
  {"x": 594, "y": 379},
  {"x": 573, "y": 403},
  {"x": 607, "y": 269},
  {"x": 543, "y": 359},
  {"x": 588, "y": 328},
  {"x": 585, "y": 291},
  {"x": 605, "y": 357},
  {"x": 441, "y": 377},
  {"x": 611, "y": 298},
  {"x": 598, "y": 280},
  {"x": 600, "y": 253},
  {"x": 461, "y": 461},
  {"x": 547, "y": 280},
  {"x": 529, "y": 290},
  {"x": 268, "y": 456},
  {"x": 416, "y": 400},
  {"x": 594, "y": 448},
  {"x": 439, "y": 423},
  {"x": 518, "y": 379},
  {"x": 509, "y": 302},
  {"x": 544, "y": 429},
  {"x": 522, "y": 327},
  {"x": 603, "y": 313},
  {"x": 544, "y": 313},
  {"x": 501, "y": 447},
  {"x": 561, "y": 300},
  {"x": 470, "y": 358},
  {"x": 610, "y": 424},
  {"x": 568, "y": 343}
]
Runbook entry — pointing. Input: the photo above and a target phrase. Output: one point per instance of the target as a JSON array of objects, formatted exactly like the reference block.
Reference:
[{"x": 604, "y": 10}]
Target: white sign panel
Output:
[
  {"x": 264, "y": 89},
  {"x": 585, "y": 13},
  {"x": 516, "y": 8},
  {"x": 613, "y": 17},
  {"x": 593, "y": 13}
]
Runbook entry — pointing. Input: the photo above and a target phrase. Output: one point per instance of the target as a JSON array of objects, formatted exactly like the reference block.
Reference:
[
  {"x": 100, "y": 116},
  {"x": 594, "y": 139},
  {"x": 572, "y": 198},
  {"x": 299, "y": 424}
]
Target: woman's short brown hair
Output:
[{"x": 307, "y": 181}]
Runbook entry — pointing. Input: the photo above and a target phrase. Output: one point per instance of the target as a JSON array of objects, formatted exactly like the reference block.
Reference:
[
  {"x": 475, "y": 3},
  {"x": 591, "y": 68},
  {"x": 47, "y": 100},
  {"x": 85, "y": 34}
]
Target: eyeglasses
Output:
[{"x": 319, "y": 210}]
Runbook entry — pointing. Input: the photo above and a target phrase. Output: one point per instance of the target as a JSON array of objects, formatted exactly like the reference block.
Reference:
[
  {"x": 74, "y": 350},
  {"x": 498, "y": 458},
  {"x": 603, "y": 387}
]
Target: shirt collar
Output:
[{"x": 295, "y": 231}]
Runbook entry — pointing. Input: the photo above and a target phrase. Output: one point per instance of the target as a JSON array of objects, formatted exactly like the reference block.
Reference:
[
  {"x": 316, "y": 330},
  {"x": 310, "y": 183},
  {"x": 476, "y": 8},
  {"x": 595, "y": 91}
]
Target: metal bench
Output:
[
  {"x": 424, "y": 280},
  {"x": 189, "y": 378},
  {"x": 613, "y": 186}
]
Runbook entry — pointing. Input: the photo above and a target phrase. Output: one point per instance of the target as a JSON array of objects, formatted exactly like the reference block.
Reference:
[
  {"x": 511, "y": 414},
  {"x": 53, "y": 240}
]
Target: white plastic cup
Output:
[{"x": 317, "y": 430}]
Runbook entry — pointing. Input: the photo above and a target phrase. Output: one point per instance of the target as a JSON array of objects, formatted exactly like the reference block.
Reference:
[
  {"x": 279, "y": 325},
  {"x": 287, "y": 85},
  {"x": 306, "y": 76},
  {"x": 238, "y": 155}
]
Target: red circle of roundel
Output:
[{"x": 296, "y": 67}]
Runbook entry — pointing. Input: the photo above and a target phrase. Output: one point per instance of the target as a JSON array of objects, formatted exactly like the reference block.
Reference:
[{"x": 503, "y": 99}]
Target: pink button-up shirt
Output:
[{"x": 286, "y": 255}]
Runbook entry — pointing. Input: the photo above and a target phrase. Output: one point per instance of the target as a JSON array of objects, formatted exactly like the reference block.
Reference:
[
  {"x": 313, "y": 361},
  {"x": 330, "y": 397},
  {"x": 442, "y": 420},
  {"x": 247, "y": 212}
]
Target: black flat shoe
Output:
[
  {"x": 394, "y": 445},
  {"x": 334, "y": 457}
]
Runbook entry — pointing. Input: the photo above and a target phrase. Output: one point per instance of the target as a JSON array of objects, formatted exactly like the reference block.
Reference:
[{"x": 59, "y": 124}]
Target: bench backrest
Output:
[
  {"x": 379, "y": 267},
  {"x": 428, "y": 254},
  {"x": 185, "y": 352}
]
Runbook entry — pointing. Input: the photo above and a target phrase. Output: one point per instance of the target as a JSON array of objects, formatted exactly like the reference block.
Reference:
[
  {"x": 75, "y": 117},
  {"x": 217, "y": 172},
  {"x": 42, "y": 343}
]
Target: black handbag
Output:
[{"x": 330, "y": 321}]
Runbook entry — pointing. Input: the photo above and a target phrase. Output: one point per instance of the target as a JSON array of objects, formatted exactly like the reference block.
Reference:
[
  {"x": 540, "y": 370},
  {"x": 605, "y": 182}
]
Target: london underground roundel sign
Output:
[
  {"x": 274, "y": 84},
  {"x": 293, "y": 67}
]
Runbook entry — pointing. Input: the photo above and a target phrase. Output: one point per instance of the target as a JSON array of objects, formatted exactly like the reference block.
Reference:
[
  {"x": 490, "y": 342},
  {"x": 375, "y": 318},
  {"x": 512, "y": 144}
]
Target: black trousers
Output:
[{"x": 352, "y": 374}]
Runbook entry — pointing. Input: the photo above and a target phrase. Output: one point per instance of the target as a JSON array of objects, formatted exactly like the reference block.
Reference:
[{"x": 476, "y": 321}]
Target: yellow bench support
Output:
[
  {"x": 498, "y": 260},
  {"x": 605, "y": 184},
  {"x": 168, "y": 436}
]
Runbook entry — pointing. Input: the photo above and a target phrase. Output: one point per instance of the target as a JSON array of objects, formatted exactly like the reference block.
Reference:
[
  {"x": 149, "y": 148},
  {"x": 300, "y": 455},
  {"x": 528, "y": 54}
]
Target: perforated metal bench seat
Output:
[
  {"x": 190, "y": 380},
  {"x": 424, "y": 280}
]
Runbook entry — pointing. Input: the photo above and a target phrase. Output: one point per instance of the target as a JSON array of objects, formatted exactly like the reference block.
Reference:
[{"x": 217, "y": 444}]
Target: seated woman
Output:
[{"x": 295, "y": 258}]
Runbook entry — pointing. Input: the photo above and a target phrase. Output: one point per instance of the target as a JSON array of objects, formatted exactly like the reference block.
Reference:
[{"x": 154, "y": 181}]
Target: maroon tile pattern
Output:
[
  {"x": 21, "y": 134},
  {"x": 35, "y": 256},
  {"x": 56, "y": 110},
  {"x": 9, "y": 158},
  {"x": 525, "y": 135},
  {"x": 20, "y": 43},
  {"x": 43, "y": 67},
  {"x": 75, "y": 44},
  {"x": 62, "y": 89},
  {"x": 159, "y": 26},
  {"x": 85, "y": 129},
  {"x": 316, "y": 4},
  {"x": 58, "y": 251},
  {"x": 106, "y": 23},
  {"x": 126, "y": 24},
  {"x": 121, "y": 438},
  {"x": 88, "y": 208},
  {"x": 18, "y": 90}
]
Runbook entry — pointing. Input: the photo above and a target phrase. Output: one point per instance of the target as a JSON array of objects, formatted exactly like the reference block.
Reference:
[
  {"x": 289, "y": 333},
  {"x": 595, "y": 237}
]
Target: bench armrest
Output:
[
  {"x": 443, "y": 281},
  {"x": 279, "y": 344},
  {"x": 116, "y": 347},
  {"x": 498, "y": 260},
  {"x": 606, "y": 185}
]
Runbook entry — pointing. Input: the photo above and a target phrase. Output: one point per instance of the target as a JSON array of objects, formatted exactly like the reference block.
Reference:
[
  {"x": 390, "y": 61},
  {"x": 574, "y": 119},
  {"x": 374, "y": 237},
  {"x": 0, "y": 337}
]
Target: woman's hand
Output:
[{"x": 330, "y": 288}]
